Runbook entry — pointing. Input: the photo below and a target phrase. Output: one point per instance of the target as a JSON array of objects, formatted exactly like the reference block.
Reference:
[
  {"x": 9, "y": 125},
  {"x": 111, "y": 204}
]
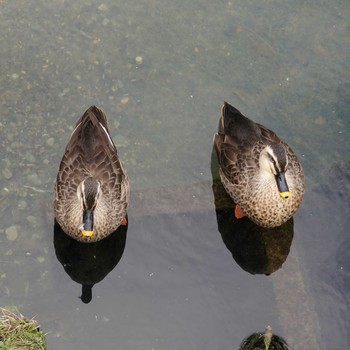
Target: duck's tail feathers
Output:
[{"x": 94, "y": 115}]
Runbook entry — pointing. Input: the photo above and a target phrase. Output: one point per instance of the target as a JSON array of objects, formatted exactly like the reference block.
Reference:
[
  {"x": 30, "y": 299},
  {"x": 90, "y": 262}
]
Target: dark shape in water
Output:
[
  {"x": 337, "y": 183},
  {"x": 256, "y": 249},
  {"x": 264, "y": 341},
  {"x": 86, "y": 293},
  {"x": 89, "y": 263}
]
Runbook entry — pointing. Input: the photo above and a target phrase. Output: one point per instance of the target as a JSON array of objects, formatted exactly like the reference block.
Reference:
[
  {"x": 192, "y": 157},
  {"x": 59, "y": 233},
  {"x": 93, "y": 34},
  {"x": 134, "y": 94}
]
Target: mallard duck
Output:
[
  {"x": 259, "y": 170},
  {"x": 92, "y": 187}
]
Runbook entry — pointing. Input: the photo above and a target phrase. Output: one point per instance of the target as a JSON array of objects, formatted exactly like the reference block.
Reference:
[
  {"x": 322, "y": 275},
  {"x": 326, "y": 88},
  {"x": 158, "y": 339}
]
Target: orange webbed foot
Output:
[
  {"x": 124, "y": 221},
  {"x": 239, "y": 213}
]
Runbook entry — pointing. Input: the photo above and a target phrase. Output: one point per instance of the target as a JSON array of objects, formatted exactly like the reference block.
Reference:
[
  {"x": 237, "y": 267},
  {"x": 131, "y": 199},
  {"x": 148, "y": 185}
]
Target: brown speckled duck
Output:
[
  {"x": 259, "y": 170},
  {"x": 92, "y": 187}
]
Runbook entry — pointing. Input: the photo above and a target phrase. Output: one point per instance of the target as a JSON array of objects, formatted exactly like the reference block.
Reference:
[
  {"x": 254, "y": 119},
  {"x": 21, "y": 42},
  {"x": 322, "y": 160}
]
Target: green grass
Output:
[{"x": 20, "y": 333}]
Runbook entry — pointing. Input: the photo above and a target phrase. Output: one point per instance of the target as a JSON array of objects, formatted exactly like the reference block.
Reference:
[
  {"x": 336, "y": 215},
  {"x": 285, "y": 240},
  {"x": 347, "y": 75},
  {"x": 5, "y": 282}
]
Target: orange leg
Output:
[
  {"x": 124, "y": 222},
  {"x": 239, "y": 213}
]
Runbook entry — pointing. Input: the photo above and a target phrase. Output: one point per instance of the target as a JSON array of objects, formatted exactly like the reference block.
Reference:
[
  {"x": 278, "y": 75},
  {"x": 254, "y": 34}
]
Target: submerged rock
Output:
[{"x": 11, "y": 233}]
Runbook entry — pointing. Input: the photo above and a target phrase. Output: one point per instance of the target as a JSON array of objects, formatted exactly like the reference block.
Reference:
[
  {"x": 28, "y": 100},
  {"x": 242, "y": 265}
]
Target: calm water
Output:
[{"x": 161, "y": 71}]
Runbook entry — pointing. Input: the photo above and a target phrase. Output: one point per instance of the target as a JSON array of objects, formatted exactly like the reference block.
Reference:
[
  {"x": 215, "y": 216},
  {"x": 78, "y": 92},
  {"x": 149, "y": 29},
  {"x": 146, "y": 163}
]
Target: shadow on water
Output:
[
  {"x": 333, "y": 283},
  {"x": 89, "y": 263},
  {"x": 255, "y": 249}
]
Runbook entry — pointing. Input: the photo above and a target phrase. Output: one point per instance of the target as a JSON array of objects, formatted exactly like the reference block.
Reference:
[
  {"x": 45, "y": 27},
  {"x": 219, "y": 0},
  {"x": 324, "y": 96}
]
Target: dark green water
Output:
[{"x": 176, "y": 286}]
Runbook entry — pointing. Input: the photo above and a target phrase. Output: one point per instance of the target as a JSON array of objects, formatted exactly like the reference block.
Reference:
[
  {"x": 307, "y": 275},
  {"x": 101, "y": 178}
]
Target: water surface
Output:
[{"x": 177, "y": 285}]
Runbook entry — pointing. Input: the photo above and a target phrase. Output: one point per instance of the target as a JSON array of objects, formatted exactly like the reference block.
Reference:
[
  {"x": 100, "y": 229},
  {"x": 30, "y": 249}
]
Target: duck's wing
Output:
[
  {"x": 233, "y": 162},
  {"x": 240, "y": 128},
  {"x": 268, "y": 136},
  {"x": 102, "y": 156},
  {"x": 91, "y": 152}
]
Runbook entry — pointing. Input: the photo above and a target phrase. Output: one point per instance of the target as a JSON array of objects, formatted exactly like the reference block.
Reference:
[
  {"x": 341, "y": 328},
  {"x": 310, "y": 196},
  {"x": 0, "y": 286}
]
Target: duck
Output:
[
  {"x": 264, "y": 341},
  {"x": 91, "y": 191},
  {"x": 259, "y": 171}
]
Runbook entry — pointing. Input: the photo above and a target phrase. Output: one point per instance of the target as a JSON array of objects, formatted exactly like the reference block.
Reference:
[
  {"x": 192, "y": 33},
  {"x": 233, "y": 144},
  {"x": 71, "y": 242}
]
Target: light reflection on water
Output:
[{"x": 176, "y": 285}]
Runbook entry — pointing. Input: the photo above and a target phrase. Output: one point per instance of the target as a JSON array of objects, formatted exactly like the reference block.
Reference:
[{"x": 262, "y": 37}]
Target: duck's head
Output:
[
  {"x": 89, "y": 191},
  {"x": 274, "y": 160}
]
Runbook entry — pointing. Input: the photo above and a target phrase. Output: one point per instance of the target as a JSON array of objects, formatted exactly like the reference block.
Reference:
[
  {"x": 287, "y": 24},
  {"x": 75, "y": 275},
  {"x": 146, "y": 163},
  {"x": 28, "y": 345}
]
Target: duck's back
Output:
[
  {"x": 90, "y": 137},
  {"x": 91, "y": 152},
  {"x": 240, "y": 128}
]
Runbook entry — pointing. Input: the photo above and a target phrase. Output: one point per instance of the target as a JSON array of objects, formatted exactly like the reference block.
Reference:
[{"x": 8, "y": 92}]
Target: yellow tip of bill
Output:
[
  {"x": 87, "y": 233},
  {"x": 284, "y": 194}
]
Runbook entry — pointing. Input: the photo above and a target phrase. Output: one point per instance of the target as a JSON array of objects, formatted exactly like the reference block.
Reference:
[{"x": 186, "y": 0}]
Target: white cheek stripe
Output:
[
  {"x": 83, "y": 193},
  {"x": 98, "y": 191}
]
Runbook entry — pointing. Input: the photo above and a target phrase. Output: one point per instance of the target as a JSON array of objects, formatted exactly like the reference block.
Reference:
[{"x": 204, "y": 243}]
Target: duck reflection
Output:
[
  {"x": 255, "y": 249},
  {"x": 264, "y": 341},
  {"x": 89, "y": 263}
]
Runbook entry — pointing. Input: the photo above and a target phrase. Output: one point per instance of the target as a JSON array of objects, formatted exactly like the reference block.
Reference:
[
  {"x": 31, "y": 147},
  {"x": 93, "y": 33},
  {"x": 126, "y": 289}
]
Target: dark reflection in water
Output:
[
  {"x": 337, "y": 183},
  {"x": 341, "y": 281},
  {"x": 256, "y": 249},
  {"x": 333, "y": 282},
  {"x": 89, "y": 263},
  {"x": 264, "y": 341},
  {"x": 337, "y": 188}
]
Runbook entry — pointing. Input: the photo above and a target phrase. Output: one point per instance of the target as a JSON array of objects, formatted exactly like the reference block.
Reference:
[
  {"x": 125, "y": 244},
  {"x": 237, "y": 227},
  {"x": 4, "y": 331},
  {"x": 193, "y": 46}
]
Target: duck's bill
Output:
[
  {"x": 86, "y": 233},
  {"x": 282, "y": 185},
  {"x": 88, "y": 223}
]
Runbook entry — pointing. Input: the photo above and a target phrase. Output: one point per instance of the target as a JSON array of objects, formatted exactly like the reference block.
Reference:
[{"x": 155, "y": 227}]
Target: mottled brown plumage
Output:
[
  {"x": 91, "y": 179},
  {"x": 259, "y": 171}
]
